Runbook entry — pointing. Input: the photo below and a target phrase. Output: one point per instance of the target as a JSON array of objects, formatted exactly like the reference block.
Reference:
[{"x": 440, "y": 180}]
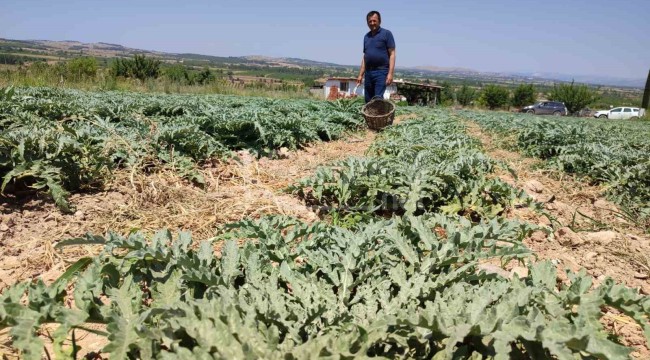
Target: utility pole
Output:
[{"x": 646, "y": 93}]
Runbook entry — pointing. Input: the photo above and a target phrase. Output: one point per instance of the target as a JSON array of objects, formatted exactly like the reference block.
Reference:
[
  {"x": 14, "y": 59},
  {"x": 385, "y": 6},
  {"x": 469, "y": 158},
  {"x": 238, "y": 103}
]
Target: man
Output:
[{"x": 378, "y": 61}]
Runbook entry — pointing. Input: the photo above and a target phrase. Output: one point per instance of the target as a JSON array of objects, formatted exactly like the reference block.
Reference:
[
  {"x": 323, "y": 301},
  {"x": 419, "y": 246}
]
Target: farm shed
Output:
[
  {"x": 418, "y": 94},
  {"x": 339, "y": 87},
  {"x": 414, "y": 93}
]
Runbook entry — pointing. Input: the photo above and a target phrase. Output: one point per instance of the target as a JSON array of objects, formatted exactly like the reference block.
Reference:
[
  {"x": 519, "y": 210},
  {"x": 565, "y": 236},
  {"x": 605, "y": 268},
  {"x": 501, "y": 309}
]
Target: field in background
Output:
[{"x": 251, "y": 75}]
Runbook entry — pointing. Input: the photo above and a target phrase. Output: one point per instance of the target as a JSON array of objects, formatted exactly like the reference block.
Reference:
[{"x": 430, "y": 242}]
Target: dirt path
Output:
[{"x": 588, "y": 231}]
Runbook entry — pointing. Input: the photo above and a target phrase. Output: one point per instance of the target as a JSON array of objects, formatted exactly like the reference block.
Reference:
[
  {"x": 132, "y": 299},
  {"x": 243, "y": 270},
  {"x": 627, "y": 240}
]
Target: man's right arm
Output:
[{"x": 361, "y": 71}]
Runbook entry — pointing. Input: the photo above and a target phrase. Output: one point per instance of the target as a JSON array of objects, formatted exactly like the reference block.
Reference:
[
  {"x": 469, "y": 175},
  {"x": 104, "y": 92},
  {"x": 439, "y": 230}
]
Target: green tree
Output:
[
  {"x": 524, "y": 94},
  {"x": 140, "y": 67},
  {"x": 143, "y": 68},
  {"x": 447, "y": 95},
  {"x": 119, "y": 67},
  {"x": 82, "y": 68},
  {"x": 465, "y": 95},
  {"x": 177, "y": 74},
  {"x": 495, "y": 96},
  {"x": 575, "y": 97},
  {"x": 204, "y": 77}
]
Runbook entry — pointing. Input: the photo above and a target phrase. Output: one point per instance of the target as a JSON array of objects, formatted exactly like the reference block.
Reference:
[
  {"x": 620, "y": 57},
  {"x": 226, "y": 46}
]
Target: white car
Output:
[{"x": 620, "y": 113}]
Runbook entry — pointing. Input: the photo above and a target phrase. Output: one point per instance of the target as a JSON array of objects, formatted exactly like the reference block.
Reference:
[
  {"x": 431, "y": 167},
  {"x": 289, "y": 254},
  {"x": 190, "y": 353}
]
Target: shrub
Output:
[
  {"x": 140, "y": 67},
  {"x": 524, "y": 95},
  {"x": 204, "y": 77},
  {"x": 81, "y": 68},
  {"x": 177, "y": 74},
  {"x": 494, "y": 96},
  {"x": 447, "y": 95},
  {"x": 465, "y": 95},
  {"x": 575, "y": 97}
]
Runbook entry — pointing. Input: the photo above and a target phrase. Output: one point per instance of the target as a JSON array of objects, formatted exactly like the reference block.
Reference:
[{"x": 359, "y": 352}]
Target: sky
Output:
[{"x": 579, "y": 37}]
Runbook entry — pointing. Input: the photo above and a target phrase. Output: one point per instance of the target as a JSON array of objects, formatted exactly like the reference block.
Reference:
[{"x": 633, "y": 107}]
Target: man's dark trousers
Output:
[{"x": 375, "y": 83}]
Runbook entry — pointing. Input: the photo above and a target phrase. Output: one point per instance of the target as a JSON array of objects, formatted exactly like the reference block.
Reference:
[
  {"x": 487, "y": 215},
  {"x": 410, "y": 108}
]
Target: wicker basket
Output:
[{"x": 378, "y": 113}]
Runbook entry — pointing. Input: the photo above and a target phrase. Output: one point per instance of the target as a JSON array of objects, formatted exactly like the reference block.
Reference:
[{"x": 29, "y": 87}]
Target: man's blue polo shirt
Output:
[{"x": 375, "y": 49}]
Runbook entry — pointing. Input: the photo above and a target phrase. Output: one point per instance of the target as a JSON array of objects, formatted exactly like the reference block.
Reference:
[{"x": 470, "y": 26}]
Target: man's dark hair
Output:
[{"x": 374, "y": 13}]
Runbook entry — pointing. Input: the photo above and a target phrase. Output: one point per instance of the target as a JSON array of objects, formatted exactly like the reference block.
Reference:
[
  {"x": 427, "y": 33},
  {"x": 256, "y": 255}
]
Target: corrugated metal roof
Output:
[
  {"x": 342, "y": 78},
  {"x": 397, "y": 82},
  {"x": 417, "y": 84}
]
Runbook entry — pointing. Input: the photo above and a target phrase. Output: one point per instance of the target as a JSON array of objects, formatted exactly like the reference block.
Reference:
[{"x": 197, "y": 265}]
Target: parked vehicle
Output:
[
  {"x": 620, "y": 113},
  {"x": 546, "y": 108}
]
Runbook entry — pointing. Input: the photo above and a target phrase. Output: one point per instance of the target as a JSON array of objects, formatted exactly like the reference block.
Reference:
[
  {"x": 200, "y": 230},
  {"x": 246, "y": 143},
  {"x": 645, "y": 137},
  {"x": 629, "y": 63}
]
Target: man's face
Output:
[{"x": 373, "y": 22}]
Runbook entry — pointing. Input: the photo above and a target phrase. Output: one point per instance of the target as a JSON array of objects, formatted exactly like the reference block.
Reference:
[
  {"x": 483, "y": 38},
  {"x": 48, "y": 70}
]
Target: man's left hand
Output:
[{"x": 389, "y": 79}]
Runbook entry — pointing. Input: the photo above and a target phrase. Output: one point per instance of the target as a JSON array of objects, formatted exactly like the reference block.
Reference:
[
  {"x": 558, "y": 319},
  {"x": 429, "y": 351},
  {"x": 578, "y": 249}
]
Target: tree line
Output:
[
  {"x": 575, "y": 96},
  {"x": 142, "y": 68},
  {"x": 139, "y": 67}
]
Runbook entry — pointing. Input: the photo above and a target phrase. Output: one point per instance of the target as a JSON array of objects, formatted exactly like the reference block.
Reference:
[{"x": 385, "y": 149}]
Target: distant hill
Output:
[
  {"x": 538, "y": 77},
  {"x": 71, "y": 48},
  {"x": 445, "y": 69},
  {"x": 292, "y": 61},
  {"x": 595, "y": 79}
]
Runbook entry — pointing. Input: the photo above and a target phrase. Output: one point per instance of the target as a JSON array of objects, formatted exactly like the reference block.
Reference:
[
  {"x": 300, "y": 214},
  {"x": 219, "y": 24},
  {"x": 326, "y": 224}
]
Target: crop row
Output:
[
  {"x": 615, "y": 154},
  {"x": 426, "y": 165},
  {"x": 65, "y": 140}
]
